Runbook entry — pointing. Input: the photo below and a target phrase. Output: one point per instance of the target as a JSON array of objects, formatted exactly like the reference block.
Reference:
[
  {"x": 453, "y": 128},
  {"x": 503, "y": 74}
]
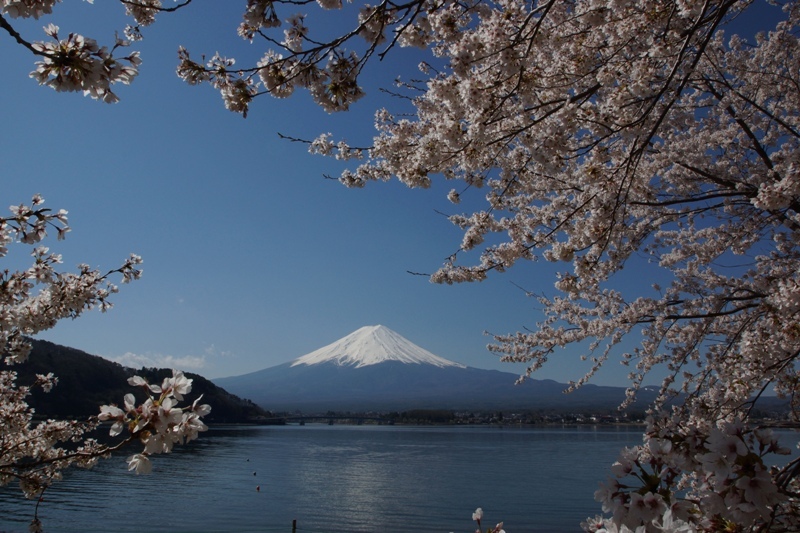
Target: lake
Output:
[{"x": 341, "y": 479}]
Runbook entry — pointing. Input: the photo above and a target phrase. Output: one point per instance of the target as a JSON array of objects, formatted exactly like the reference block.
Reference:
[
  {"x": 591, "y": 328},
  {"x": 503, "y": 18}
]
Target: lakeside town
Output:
[{"x": 776, "y": 418}]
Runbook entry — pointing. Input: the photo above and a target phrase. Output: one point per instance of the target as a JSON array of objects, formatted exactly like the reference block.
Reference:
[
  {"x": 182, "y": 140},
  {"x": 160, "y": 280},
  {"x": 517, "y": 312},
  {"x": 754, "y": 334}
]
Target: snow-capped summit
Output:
[{"x": 371, "y": 345}]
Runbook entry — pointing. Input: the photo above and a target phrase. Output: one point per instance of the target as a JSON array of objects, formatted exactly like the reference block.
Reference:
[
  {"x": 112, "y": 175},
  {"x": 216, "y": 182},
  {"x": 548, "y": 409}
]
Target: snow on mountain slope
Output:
[{"x": 371, "y": 345}]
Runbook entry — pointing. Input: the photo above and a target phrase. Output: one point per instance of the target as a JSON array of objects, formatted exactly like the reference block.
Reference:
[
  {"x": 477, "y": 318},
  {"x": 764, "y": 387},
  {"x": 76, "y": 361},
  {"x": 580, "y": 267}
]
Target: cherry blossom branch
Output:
[
  {"x": 17, "y": 37},
  {"x": 153, "y": 6}
]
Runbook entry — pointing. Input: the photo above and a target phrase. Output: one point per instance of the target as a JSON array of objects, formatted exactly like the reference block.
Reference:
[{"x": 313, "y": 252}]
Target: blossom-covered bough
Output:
[
  {"x": 599, "y": 135},
  {"x": 33, "y": 453},
  {"x": 75, "y": 63}
]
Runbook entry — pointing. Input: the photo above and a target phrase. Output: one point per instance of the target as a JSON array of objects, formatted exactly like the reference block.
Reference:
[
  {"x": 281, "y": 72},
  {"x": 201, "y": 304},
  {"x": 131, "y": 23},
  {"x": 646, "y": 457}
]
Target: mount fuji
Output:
[
  {"x": 372, "y": 345},
  {"x": 377, "y": 369}
]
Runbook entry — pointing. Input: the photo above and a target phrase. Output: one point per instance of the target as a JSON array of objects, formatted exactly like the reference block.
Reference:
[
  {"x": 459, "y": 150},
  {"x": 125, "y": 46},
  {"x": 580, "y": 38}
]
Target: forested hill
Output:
[{"x": 87, "y": 381}]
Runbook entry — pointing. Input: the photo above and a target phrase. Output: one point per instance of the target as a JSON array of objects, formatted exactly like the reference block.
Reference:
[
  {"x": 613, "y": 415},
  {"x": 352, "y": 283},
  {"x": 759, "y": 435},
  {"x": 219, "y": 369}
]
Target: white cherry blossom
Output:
[{"x": 140, "y": 464}]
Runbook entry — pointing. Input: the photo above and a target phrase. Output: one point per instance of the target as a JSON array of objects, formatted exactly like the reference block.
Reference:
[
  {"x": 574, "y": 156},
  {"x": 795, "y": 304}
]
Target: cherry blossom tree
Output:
[
  {"x": 603, "y": 134},
  {"x": 599, "y": 135},
  {"x": 34, "y": 300}
]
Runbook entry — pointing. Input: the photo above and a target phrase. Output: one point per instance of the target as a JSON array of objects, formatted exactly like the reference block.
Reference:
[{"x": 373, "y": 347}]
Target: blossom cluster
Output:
[
  {"x": 334, "y": 87},
  {"x": 143, "y": 11},
  {"x": 327, "y": 70},
  {"x": 77, "y": 63},
  {"x": 34, "y": 454},
  {"x": 27, "y": 8},
  {"x": 159, "y": 422},
  {"x": 699, "y": 478}
]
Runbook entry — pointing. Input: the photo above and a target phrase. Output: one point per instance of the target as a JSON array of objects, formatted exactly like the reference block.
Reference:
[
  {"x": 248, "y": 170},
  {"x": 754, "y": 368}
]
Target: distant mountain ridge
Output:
[
  {"x": 87, "y": 381},
  {"x": 375, "y": 368}
]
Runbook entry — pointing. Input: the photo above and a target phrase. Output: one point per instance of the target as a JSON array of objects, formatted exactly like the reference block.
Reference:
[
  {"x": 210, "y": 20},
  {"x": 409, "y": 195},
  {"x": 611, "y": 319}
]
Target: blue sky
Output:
[{"x": 251, "y": 257}]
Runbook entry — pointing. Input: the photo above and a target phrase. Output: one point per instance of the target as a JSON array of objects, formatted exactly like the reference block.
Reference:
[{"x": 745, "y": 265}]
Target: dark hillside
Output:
[{"x": 87, "y": 381}]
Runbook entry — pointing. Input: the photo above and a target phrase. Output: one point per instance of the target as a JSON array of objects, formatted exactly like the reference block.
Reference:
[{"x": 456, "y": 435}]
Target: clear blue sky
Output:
[{"x": 251, "y": 257}]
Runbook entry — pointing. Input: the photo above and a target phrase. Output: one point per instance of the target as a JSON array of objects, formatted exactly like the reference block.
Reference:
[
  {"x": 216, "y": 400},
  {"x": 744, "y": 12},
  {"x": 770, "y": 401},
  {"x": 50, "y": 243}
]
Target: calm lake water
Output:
[{"x": 341, "y": 479}]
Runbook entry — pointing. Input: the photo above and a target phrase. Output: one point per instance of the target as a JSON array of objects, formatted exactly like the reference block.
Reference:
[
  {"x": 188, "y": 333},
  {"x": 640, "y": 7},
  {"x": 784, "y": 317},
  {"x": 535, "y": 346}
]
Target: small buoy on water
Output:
[
  {"x": 254, "y": 473},
  {"x": 258, "y": 488}
]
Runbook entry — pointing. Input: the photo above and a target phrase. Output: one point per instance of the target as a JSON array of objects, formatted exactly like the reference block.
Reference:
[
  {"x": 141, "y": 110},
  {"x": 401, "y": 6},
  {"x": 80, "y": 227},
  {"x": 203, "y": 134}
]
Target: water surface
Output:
[{"x": 342, "y": 479}]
